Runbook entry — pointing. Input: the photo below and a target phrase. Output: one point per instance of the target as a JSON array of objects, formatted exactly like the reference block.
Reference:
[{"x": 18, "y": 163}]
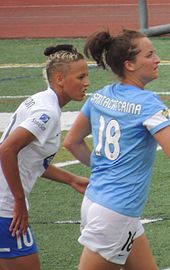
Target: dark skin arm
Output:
[
  {"x": 56, "y": 174},
  {"x": 9, "y": 150}
]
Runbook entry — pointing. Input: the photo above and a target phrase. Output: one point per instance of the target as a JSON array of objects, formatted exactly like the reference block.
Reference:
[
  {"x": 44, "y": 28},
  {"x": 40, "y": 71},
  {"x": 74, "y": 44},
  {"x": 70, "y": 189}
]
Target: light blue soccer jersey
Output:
[{"x": 123, "y": 119}]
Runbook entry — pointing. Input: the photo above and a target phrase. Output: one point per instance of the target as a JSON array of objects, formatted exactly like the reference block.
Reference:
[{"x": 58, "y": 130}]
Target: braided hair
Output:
[{"x": 59, "y": 58}]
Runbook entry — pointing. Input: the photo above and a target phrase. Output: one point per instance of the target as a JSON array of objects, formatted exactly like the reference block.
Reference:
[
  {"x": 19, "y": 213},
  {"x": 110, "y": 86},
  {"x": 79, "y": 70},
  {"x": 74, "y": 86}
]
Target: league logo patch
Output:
[
  {"x": 44, "y": 118},
  {"x": 165, "y": 113}
]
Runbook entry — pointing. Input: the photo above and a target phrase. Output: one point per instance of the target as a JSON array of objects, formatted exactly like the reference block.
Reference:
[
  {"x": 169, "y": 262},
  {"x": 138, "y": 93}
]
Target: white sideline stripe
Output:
[
  {"x": 21, "y": 65},
  {"x": 35, "y": 65},
  {"x": 164, "y": 64},
  {"x": 14, "y": 97},
  {"x": 87, "y": 94},
  {"x": 5, "y": 249},
  {"x": 67, "y": 163},
  {"x": 144, "y": 221},
  {"x": 162, "y": 93}
]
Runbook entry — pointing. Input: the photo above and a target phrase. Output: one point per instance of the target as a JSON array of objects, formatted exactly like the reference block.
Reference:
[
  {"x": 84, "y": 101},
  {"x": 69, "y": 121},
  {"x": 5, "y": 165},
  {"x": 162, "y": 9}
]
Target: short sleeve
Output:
[
  {"x": 42, "y": 123},
  {"x": 159, "y": 120}
]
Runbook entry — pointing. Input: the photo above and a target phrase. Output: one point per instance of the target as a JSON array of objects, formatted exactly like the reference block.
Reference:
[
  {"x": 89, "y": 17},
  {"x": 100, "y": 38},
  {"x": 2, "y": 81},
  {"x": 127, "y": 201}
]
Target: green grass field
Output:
[{"x": 55, "y": 208}]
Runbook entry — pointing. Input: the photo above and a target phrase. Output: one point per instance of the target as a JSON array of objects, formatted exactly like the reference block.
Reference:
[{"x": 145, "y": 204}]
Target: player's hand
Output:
[
  {"x": 19, "y": 223},
  {"x": 80, "y": 183}
]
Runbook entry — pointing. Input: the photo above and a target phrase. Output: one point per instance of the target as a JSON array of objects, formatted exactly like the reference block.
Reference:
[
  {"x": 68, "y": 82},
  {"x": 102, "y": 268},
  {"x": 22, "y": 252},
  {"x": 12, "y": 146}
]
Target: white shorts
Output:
[{"x": 107, "y": 232}]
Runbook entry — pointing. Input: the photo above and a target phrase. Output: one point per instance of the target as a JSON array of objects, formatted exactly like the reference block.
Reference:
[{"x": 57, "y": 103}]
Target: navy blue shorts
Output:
[{"x": 11, "y": 247}]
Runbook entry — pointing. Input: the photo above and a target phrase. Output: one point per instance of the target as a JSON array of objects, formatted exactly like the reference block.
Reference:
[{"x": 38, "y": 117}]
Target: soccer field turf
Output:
[{"x": 55, "y": 208}]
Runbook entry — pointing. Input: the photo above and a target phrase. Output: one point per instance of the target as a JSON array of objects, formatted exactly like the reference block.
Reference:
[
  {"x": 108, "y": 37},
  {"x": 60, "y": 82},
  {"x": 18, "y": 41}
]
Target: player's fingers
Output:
[
  {"x": 19, "y": 226},
  {"x": 14, "y": 226}
]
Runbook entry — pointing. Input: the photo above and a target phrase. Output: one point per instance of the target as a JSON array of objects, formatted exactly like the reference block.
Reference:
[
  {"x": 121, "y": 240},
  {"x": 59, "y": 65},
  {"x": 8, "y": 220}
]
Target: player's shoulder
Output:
[
  {"x": 47, "y": 95},
  {"x": 149, "y": 98},
  {"x": 139, "y": 95},
  {"x": 44, "y": 103}
]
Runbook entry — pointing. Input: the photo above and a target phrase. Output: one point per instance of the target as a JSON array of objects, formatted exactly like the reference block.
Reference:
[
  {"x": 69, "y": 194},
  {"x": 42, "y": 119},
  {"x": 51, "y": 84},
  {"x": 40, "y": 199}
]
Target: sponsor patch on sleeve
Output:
[
  {"x": 44, "y": 118},
  {"x": 165, "y": 113}
]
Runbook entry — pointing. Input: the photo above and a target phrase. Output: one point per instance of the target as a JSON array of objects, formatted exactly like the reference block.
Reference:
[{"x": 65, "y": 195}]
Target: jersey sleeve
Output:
[
  {"x": 41, "y": 123},
  {"x": 157, "y": 115},
  {"x": 158, "y": 121}
]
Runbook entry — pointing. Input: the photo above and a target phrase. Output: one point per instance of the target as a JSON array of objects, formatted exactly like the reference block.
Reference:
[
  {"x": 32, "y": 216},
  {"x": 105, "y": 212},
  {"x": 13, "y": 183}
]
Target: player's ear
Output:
[
  {"x": 59, "y": 78},
  {"x": 129, "y": 65}
]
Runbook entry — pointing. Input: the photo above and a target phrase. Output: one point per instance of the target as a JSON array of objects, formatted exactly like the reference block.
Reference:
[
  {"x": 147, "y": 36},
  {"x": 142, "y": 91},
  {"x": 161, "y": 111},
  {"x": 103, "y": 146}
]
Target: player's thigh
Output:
[
  {"x": 141, "y": 257},
  {"x": 93, "y": 261},
  {"x": 30, "y": 262}
]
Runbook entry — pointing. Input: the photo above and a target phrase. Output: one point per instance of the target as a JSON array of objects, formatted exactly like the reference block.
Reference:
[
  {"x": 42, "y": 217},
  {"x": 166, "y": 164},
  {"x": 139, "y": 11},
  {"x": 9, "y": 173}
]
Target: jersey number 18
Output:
[{"x": 112, "y": 138}]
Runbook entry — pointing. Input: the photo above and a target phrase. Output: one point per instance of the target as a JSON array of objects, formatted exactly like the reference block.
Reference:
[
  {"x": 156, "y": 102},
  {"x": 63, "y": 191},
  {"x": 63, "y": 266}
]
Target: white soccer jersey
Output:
[{"x": 40, "y": 114}]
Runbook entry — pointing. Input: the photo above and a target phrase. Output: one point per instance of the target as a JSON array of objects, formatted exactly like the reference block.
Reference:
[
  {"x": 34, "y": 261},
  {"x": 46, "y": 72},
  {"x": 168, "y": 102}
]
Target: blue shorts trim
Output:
[{"x": 11, "y": 247}]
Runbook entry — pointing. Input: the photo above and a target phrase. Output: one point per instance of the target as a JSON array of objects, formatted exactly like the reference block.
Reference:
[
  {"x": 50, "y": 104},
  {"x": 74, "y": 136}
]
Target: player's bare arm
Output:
[{"x": 56, "y": 174}]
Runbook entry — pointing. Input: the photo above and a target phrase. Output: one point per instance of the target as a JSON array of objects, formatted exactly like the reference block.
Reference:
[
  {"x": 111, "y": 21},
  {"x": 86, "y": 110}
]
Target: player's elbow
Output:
[
  {"x": 68, "y": 144},
  {"x": 5, "y": 152},
  {"x": 72, "y": 144}
]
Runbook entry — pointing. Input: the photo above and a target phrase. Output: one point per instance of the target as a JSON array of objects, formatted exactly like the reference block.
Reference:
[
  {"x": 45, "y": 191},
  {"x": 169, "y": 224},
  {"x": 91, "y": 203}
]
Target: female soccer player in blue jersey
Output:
[
  {"x": 27, "y": 147},
  {"x": 127, "y": 122}
]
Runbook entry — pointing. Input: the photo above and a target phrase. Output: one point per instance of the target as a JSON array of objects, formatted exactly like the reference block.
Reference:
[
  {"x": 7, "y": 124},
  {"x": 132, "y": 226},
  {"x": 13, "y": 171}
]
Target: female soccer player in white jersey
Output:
[
  {"x": 27, "y": 147},
  {"x": 127, "y": 122}
]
